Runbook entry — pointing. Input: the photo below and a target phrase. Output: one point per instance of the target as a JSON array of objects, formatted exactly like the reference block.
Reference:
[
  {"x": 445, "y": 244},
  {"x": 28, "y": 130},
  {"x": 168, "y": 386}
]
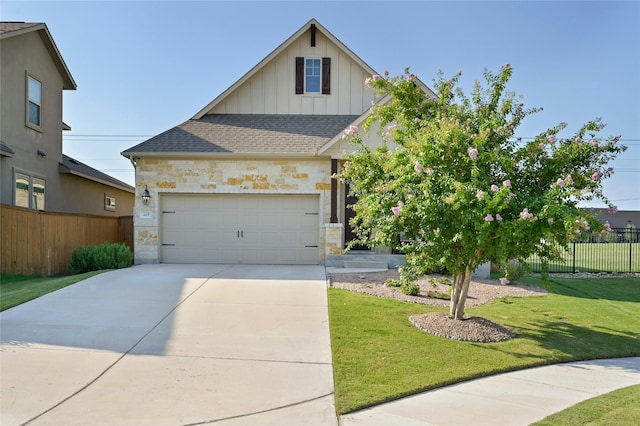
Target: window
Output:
[
  {"x": 38, "y": 194},
  {"x": 34, "y": 104},
  {"x": 22, "y": 190},
  {"x": 29, "y": 192},
  {"x": 312, "y": 76},
  {"x": 109, "y": 203}
]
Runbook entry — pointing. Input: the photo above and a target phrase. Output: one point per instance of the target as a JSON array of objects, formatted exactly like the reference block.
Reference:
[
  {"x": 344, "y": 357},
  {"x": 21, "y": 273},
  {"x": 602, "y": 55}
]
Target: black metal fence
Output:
[{"x": 618, "y": 251}]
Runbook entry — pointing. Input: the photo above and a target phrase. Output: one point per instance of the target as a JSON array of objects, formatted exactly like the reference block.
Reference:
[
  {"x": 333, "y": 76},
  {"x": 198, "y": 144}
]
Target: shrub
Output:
[
  {"x": 514, "y": 270},
  {"x": 104, "y": 256},
  {"x": 410, "y": 288}
]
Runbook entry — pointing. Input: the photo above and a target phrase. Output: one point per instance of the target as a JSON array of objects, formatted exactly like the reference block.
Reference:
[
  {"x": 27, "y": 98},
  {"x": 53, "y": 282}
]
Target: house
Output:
[
  {"x": 248, "y": 179},
  {"x": 620, "y": 219},
  {"x": 34, "y": 173}
]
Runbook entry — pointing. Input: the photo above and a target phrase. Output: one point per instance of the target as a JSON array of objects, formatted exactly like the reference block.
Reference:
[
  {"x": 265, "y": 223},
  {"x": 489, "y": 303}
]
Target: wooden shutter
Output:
[
  {"x": 299, "y": 75},
  {"x": 326, "y": 76}
]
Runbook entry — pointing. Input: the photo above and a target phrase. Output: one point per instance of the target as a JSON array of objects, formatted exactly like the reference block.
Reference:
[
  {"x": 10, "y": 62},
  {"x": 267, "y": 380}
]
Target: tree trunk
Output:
[{"x": 459, "y": 293}]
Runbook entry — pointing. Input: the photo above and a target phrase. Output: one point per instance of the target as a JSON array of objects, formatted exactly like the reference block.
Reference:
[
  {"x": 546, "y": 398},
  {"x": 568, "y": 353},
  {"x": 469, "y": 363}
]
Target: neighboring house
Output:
[
  {"x": 34, "y": 173},
  {"x": 619, "y": 219},
  {"x": 248, "y": 179}
]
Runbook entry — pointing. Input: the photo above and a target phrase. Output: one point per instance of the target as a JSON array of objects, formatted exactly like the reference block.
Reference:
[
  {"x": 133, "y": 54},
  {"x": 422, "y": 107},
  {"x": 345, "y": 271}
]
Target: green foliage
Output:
[
  {"x": 410, "y": 288},
  {"x": 104, "y": 256},
  {"x": 452, "y": 178},
  {"x": 514, "y": 270}
]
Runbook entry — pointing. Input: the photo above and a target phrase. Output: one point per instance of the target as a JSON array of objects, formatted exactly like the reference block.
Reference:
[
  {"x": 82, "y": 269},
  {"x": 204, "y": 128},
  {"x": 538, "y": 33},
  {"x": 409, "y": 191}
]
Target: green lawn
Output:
[
  {"x": 620, "y": 407},
  {"x": 17, "y": 289},
  {"x": 596, "y": 257},
  {"x": 379, "y": 356}
]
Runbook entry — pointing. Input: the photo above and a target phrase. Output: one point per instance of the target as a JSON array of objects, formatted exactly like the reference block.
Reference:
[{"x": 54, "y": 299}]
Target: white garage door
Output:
[{"x": 251, "y": 229}]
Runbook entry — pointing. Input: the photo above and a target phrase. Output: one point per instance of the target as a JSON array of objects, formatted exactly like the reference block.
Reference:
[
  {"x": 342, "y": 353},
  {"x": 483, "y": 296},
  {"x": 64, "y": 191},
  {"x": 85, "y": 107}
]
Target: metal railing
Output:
[{"x": 618, "y": 251}]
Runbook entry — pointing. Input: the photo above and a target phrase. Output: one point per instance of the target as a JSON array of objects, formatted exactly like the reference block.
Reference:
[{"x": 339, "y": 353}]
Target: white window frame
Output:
[
  {"x": 109, "y": 203},
  {"x": 34, "y": 101},
  {"x": 319, "y": 76}
]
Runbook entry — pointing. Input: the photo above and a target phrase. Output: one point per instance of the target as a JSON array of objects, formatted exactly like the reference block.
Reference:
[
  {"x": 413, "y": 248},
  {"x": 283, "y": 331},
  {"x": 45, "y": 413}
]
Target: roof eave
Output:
[{"x": 227, "y": 155}]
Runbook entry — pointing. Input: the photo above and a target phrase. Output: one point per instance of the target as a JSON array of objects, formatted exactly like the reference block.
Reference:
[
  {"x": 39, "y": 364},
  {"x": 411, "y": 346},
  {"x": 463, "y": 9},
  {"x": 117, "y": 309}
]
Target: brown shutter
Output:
[
  {"x": 326, "y": 76},
  {"x": 299, "y": 75}
]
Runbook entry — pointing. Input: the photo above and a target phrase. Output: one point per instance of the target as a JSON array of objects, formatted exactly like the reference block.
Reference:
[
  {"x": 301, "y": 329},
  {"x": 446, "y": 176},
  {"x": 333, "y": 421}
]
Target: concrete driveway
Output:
[{"x": 172, "y": 345}]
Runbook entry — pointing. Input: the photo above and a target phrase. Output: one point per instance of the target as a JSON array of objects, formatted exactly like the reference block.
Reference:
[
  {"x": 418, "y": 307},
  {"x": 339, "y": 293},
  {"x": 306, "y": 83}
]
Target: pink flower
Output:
[
  {"x": 613, "y": 209},
  {"x": 489, "y": 218},
  {"x": 568, "y": 180},
  {"x": 525, "y": 214},
  {"x": 559, "y": 182},
  {"x": 473, "y": 153},
  {"x": 418, "y": 168},
  {"x": 594, "y": 143},
  {"x": 578, "y": 139},
  {"x": 351, "y": 130},
  {"x": 396, "y": 210},
  {"x": 495, "y": 188},
  {"x": 607, "y": 227},
  {"x": 550, "y": 220},
  {"x": 480, "y": 195},
  {"x": 596, "y": 175},
  {"x": 375, "y": 77},
  {"x": 506, "y": 183},
  {"x": 498, "y": 217},
  {"x": 551, "y": 139},
  {"x": 504, "y": 281},
  {"x": 428, "y": 171}
]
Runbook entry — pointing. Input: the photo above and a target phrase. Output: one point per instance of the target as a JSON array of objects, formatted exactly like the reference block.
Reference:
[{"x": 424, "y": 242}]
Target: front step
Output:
[{"x": 365, "y": 264}]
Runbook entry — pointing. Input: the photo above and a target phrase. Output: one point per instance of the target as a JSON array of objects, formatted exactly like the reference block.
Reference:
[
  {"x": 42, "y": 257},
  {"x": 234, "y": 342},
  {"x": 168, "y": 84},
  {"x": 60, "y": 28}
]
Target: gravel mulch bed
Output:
[{"x": 473, "y": 329}]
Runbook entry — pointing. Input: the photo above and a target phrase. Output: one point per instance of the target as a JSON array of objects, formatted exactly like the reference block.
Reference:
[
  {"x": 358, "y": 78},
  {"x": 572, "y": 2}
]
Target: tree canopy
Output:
[{"x": 453, "y": 180}]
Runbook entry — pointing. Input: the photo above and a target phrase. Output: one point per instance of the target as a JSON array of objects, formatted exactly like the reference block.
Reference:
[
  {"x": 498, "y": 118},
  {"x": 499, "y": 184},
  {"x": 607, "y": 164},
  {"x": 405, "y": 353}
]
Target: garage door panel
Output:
[{"x": 226, "y": 228}]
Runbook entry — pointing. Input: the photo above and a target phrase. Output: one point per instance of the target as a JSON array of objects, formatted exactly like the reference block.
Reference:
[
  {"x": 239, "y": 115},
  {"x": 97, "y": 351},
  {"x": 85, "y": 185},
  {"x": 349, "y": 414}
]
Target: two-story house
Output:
[
  {"x": 34, "y": 172},
  {"x": 250, "y": 177}
]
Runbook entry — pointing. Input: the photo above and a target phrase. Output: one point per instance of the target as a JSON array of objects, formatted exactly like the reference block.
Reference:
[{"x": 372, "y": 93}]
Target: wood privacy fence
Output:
[{"x": 40, "y": 243}]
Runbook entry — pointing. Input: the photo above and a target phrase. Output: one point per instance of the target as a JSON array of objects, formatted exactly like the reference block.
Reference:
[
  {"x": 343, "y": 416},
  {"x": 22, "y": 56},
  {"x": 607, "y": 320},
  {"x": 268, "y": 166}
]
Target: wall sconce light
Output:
[{"x": 146, "y": 196}]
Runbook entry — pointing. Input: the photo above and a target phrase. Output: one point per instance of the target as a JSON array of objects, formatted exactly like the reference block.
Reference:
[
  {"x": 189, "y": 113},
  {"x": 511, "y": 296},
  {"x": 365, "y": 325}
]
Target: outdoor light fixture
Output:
[{"x": 146, "y": 196}]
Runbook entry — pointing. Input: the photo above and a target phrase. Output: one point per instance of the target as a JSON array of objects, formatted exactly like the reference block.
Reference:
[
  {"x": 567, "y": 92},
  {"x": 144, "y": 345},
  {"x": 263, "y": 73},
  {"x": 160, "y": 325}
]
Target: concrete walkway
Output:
[
  {"x": 510, "y": 399},
  {"x": 172, "y": 345}
]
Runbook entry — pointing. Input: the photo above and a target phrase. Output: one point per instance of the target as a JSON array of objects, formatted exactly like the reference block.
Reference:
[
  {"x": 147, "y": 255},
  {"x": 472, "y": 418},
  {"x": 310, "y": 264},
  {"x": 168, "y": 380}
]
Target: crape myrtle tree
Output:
[{"x": 452, "y": 179}]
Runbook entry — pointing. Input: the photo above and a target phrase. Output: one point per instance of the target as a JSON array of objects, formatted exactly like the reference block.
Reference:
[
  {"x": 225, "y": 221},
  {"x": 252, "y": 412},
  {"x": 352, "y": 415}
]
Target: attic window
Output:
[{"x": 313, "y": 75}]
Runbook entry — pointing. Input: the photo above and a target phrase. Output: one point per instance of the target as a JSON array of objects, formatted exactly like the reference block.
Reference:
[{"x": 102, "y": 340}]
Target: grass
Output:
[
  {"x": 620, "y": 407},
  {"x": 17, "y": 289},
  {"x": 596, "y": 257},
  {"x": 379, "y": 356}
]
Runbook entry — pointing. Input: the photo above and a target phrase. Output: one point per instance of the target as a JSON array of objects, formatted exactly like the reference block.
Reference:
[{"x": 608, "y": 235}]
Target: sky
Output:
[{"x": 143, "y": 67}]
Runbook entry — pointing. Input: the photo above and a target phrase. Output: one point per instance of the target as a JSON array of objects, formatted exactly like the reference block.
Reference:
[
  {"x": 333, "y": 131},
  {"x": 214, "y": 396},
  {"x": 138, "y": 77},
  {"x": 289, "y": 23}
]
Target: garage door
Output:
[{"x": 251, "y": 229}]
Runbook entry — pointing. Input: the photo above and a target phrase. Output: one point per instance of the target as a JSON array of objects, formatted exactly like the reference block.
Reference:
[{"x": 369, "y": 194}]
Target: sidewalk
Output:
[{"x": 516, "y": 398}]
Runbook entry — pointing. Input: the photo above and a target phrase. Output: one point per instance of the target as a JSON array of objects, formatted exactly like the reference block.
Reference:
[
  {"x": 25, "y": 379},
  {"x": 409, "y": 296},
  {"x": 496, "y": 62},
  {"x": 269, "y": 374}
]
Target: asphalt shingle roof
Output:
[
  {"x": 73, "y": 164},
  {"x": 247, "y": 134},
  {"x": 6, "y": 27}
]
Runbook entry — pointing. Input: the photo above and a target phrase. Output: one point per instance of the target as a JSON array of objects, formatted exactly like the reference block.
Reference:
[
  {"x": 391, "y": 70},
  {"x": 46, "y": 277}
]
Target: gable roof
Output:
[
  {"x": 75, "y": 167},
  {"x": 246, "y": 134},
  {"x": 13, "y": 29},
  {"x": 275, "y": 53}
]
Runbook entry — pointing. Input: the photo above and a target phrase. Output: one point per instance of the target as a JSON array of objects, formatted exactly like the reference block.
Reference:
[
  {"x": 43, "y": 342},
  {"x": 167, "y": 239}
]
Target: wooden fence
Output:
[{"x": 40, "y": 243}]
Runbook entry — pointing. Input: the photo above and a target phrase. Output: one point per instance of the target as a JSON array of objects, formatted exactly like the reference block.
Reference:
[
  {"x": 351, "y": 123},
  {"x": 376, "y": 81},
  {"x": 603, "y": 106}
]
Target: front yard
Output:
[{"x": 379, "y": 355}]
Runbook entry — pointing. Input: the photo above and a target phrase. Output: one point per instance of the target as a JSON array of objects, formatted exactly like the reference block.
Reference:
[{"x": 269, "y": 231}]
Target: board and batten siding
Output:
[{"x": 272, "y": 89}]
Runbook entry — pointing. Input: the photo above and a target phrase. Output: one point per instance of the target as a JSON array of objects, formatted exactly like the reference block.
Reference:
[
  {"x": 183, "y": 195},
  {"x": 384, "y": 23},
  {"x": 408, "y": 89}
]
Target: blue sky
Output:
[{"x": 143, "y": 67}]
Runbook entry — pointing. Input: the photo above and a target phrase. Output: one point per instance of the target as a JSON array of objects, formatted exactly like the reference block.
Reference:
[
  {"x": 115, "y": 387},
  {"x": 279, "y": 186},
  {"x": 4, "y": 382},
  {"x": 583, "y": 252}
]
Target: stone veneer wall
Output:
[{"x": 224, "y": 176}]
